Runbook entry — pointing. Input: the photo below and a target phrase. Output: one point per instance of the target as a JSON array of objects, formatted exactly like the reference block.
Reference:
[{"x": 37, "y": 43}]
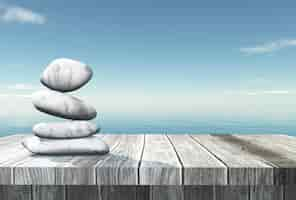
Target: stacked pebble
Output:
[{"x": 75, "y": 136}]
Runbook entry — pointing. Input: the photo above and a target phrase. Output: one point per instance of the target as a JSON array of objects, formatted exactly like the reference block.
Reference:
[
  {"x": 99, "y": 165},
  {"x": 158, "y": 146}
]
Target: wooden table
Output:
[{"x": 156, "y": 166}]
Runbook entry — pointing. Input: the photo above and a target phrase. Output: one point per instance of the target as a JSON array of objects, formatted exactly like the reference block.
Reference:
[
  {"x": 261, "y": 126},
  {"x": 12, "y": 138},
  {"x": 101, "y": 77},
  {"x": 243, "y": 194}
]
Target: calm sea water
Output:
[{"x": 179, "y": 126}]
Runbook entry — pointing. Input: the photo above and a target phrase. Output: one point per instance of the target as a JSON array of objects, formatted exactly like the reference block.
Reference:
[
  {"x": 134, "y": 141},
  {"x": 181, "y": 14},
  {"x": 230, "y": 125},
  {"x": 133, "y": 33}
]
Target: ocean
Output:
[{"x": 178, "y": 127}]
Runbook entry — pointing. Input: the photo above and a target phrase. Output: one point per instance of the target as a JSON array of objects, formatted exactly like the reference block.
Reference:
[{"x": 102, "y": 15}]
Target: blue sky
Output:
[{"x": 166, "y": 59}]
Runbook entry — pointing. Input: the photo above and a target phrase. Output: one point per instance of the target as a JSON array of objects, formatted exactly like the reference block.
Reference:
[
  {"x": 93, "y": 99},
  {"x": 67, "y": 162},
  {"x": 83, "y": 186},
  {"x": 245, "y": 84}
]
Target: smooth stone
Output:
[
  {"x": 66, "y": 75},
  {"x": 63, "y": 105},
  {"x": 69, "y": 129},
  {"x": 89, "y": 145}
]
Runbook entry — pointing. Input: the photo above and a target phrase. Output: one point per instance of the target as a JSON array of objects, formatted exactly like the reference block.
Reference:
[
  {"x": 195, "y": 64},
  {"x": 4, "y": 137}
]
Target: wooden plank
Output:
[
  {"x": 118, "y": 192},
  {"x": 243, "y": 168},
  {"x": 16, "y": 192},
  {"x": 8, "y": 156},
  {"x": 273, "y": 149},
  {"x": 81, "y": 170},
  {"x": 266, "y": 192},
  {"x": 121, "y": 166},
  {"x": 45, "y": 192},
  {"x": 107, "y": 192},
  {"x": 200, "y": 166},
  {"x": 199, "y": 192},
  {"x": 124, "y": 192},
  {"x": 166, "y": 192},
  {"x": 143, "y": 192},
  {"x": 11, "y": 139},
  {"x": 85, "y": 192},
  {"x": 231, "y": 192},
  {"x": 250, "y": 160},
  {"x": 160, "y": 164},
  {"x": 284, "y": 142},
  {"x": 59, "y": 170},
  {"x": 288, "y": 140},
  {"x": 290, "y": 192},
  {"x": 38, "y": 170}
]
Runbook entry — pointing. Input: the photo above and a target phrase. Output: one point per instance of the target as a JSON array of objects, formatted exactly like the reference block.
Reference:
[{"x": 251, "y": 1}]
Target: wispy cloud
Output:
[
  {"x": 15, "y": 95},
  {"x": 269, "y": 92},
  {"x": 21, "y": 86},
  {"x": 268, "y": 47},
  {"x": 20, "y": 15},
  {"x": 18, "y": 90},
  {"x": 278, "y": 92},
  {"x": 262, "y": 92}
]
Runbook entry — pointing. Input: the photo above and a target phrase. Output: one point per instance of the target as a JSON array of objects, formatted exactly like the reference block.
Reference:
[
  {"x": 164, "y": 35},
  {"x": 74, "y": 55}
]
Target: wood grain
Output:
[
  {"x": 275, "y": 149},
  {"x": 59, "y": 170},
  {"x": 15, "y": 192},
  {"x": 124, "y": 192},
  {"x": 158, "y": 160},
  {"x": 10, "y": 153},
  {"x": 233, "y": 192},
  {"x": 12, "y": 139},
  {"x": 268, "y": 192},
  {"x": 197, "y": 192},
  {"x": 243, "y": 168},
  {"x": 290, "y": 192},
  {"x": 166, "y": 192},
  {"x": 45, "y": 192},
  {"x": 38, "y": 170},
  {"x": 200, "y": 166},
  {"x": 85, "y": 192},
  {"x": 160, "y": 164},
  {"x": 121, "y": 166},
  {"x": 80, "y": 170},
  {"x": 91, "y": 192}
]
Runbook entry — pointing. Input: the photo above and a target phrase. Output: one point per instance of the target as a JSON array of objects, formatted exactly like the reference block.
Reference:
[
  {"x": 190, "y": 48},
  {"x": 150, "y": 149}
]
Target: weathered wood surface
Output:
[
  {"x": 155, "y": 160},
  {"x": 11, "y": 151},
  {"x": 19, "y": 192},
  {"x": 77, "y": 192},
  {"x": 93, "y": 192},
  {"x": 53, "y": 192},
  {"x": 279, "y": 151},
  {"x": 59, "y": 170},
  {"x": 121, "y": 166},
  {"x": 243, "y": 168},
  {"x": 80, "y": 170},
  {"x": 266, "y": 192},
  {"x": 232, "y": 193},
  {"x": 160, "y": 164},
  {"x": 199, "y": 166}
]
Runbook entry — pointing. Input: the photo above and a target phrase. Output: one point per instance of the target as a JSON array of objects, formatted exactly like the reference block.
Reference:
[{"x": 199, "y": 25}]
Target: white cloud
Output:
[
  {"x": 261, "y": 92},
  {"x": 278, "y": 92},
  {"x": 21, "y": 15},
  {"x": 21, "y": 86},
  {"x": 15, "y": 95},
  {"x": 268, "y": 47},
  {"x": 127, "y": 104},
  {"x": 18, "y": 90}
]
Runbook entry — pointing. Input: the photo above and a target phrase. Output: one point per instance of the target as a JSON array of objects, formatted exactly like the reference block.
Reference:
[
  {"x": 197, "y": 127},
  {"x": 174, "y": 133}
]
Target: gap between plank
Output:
[
  {"x": 141, "y": 157},
  {"x": 179, "y": 158},
  {"x": 269, "y": 163},
  {"x": 211, "y": 153},
  {"x": 284, "y": 192},
  {"x": 111, "y": 149},
  {"x": 32, "y": 192},
  {"x": 249, "y": 192}
]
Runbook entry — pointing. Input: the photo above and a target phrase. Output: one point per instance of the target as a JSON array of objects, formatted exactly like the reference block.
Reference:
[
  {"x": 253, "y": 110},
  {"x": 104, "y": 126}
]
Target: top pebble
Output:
[{"x": 66, "y": 75}]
